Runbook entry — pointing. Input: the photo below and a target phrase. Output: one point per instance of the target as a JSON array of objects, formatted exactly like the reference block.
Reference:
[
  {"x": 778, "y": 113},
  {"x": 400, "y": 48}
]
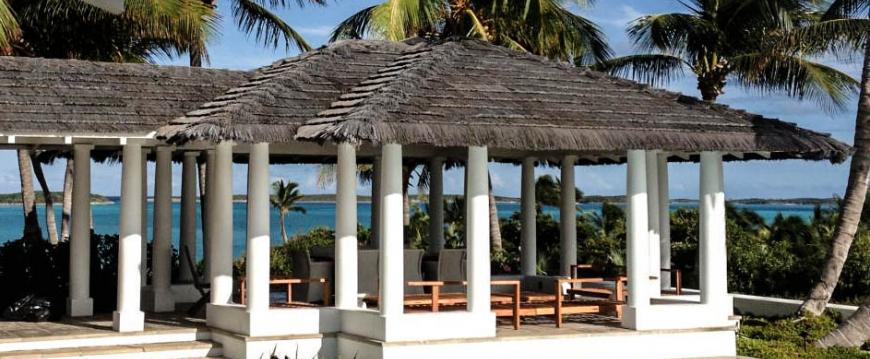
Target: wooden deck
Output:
[
  {"x": 577, "y": 324},
  {"x": 92, "y": 327}
]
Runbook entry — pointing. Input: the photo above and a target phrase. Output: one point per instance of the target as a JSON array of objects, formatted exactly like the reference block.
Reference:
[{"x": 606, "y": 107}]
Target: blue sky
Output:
[{"x": 768, "y": 179}]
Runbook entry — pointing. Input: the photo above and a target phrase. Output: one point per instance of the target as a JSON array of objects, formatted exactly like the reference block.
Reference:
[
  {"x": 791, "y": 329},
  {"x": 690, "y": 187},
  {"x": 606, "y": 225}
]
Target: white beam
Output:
[
  {"x": 346, "y": 291},
  {"x": 128, "y": 317},
  {"x": 529, "y": 212},
  {"x": 259, "y": 242},
  {"x": 144, "y": 214},
  {"x": 477, "y": 232},
  {"x": 392, "y": 232},
  {"x": 80, "y": 303}
]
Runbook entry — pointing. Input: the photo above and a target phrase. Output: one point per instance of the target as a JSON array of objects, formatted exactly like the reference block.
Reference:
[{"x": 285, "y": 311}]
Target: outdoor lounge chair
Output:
[
  {"x": 312, "y": 263},
  {"x": 204, "y": 289},
  {"x": 451, "y": 268},
  {"x": 413, "y": 270},
  {"x": 368, "y": 266}
]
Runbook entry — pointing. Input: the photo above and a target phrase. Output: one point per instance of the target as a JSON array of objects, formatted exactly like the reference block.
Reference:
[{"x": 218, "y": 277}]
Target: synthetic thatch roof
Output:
[
  {"x": 282, "y": 96},
  {"x": 468, "y": 92},
  {"x": 72, "y": 97}
]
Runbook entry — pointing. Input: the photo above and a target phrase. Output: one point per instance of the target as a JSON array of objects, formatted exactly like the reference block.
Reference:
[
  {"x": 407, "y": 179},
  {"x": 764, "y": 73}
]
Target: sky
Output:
[{"x": 757, "y": 179}]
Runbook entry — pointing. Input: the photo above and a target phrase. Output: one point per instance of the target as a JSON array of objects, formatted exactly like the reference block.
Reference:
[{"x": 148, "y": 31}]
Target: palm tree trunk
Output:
[
  {"x": 50, "y": 222},
  {"x": 853, "y": 203},
  {"x": 494, "y": 228},
  {"x": 28, "y": 197},
  {"x": 283, "y": 227},
  {"x": 67, "y": 200},
  {"x": 406, "y": 201},
  {"x": 853, "y": 332}
]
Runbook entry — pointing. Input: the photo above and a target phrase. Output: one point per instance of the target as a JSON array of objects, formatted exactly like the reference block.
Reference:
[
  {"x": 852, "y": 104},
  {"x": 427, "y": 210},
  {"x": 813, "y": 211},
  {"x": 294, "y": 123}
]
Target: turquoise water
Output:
[{"x": 318, "y": 214}]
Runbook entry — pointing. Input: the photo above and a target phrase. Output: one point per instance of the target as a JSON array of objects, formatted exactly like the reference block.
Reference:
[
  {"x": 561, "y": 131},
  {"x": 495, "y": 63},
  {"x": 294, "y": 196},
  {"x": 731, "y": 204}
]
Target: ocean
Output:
[{"x": 318, "y": 214}]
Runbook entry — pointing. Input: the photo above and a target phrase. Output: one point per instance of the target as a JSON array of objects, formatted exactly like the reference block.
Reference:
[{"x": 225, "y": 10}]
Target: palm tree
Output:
[
  {"x": 845, "y": 28},
  {"x": 543, "y": 27},
  {"x": 284, "y": 198},
  {"x": 842, "y": 30},
  {"x": 734, "y": 40},
  {"x": 28, "y": 197},
  {"x": 50, "y": 221},
  {"x": 66, "y": 212}
]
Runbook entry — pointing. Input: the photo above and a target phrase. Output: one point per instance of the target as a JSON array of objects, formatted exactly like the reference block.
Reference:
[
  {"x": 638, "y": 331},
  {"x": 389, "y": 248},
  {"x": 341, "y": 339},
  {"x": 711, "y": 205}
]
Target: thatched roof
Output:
[
  {"x": 72, "y": 97},
  {"x": 282, "y": 96},
  {"x": 468, "y": 92}
]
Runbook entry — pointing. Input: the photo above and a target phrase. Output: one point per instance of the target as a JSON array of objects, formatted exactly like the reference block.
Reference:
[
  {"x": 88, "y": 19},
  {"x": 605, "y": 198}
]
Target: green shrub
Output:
[{"x": 790, "y": 338}]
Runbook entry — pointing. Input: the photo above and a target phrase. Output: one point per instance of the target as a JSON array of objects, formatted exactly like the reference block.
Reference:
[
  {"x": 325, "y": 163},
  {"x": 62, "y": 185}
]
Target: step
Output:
[
  {"x": 103, "y": 338},
  {"x": 173, "y": 350}
]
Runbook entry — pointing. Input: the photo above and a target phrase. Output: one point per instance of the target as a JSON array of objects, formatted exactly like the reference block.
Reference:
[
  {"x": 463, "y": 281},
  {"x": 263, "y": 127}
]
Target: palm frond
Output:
[
  {"x": 9, "y": 28},
  {"x": 846, "y": 8},
  {"x": 674, "y": 33},
  {"x": 357, "y": 26},
  {"x": 795, "y": 77},
  {"x": 841, "y": 37},
  {"x": 266, "y": 26},
  {"x": 653, "y": 69}
]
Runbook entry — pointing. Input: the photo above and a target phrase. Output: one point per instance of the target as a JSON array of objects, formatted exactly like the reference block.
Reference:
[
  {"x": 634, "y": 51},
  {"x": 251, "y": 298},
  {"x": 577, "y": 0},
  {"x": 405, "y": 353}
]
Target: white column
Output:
[
  {"x": 568, "y": 217},
  {"x": 529, "y": 212},
  {"x": 436, "y": 205},
  {"x": 259, "y": 242},
  {"x": 376, "y": 202},
  {"x": 664, "y": 221},
  {"x": 211, "y": 224},
  {"x": 159, "y": 297},
  {"x": 652, "y": 189},
  {"x": 128, "y": 317},
  {"x": 188, "y": 214},
  {"x": 144, "y": 272},
  {"x": 346, "y": 291},
  {"x": 711, "y": 248},
  {"x": 221, "y": 245},
  {"x": 477, "y": 232},
  {"x": 391, "y": 246},
  {"x": 637, "y": 231},
  {"x": 80, "y": 303}
]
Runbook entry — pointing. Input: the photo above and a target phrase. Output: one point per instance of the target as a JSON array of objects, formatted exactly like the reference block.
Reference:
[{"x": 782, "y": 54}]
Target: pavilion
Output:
[{"x": 389, "y": 103}]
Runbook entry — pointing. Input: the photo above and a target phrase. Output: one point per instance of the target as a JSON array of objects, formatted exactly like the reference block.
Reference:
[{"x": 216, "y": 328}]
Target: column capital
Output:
[
  {"x": 164, "y": 148},
  {"x": 193, "y": 154},
  {"x": 530, "y": 159},
  {"x": 569, "y": 158},
  {"x": 83, "y": 146}
]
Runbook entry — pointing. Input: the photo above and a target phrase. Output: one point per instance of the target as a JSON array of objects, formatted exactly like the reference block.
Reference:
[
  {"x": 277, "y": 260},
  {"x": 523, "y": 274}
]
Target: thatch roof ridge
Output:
[{"x": 225, "y": 117}]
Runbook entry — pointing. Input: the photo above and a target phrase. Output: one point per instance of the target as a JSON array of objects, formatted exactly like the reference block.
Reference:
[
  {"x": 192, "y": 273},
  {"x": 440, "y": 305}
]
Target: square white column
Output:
[
  {"x": 567, "y": 217},
  {"x": 128, "y": 317},
  {"x": 477, "y": 231},
  {"x": 376, "y": 203},
  {"x": 637, "y": 239},
  {"x": 144, "y": 214},
  {"x": 392, "y": 232},
  {"x": 220, "y": 188},
  {"x": 346, "y": 291},
  {"x": 210, "y": 224},
  {"x": 158, "y": 297},
  {"x": 259, "y": 242},
  {"x": 529, "y": 214},
  {"x": 80, "y": 303}
]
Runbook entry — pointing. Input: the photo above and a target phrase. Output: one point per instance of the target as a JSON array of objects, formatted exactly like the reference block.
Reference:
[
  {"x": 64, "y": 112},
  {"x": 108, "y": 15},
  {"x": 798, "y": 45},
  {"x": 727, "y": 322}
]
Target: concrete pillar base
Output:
[
  {"x": 157, "y": 300},
  {"x": 80, "y": 307},
  {"x": 128, "y": 321}
]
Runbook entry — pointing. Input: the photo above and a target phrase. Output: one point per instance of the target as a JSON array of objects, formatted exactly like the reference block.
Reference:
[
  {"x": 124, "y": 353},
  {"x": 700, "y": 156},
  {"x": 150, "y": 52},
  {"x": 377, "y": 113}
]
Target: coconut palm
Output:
[
  {"x": 844, "y": 29},
  {"x": 50, "y": 221},
  {"x": 28, "y": 197},
  {"x": 66, "y": 212},
  {"x": 543, "y": 27},
  {"x": 284, "y": 198},
  {"x": 735, "y": 40}
]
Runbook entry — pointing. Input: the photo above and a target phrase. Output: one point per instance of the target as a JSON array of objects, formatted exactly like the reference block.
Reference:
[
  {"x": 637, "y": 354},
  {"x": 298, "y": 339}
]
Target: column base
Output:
[
  {"x": 157, "y": 300},
  {"x": 80, "y": 307},
  {"x": 128, "y": 321}
]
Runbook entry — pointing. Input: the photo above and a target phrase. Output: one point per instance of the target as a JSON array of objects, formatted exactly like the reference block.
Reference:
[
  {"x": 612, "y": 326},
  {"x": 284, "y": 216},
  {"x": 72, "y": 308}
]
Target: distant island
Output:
[{"x": 15, "y": 198}]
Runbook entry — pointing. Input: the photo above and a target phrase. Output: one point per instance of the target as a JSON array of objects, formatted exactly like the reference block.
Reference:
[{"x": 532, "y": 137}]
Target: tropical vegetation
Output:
[{"x": 285, "y": 196}]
